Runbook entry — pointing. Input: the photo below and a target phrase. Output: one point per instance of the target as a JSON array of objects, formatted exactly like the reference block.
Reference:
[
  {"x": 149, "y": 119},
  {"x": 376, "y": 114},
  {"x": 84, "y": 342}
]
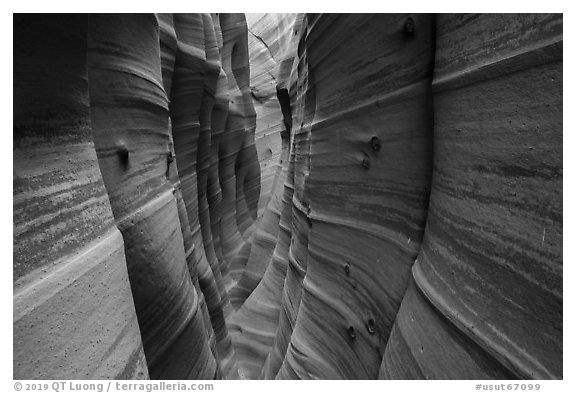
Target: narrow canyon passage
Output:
[{"x": 288, "y": 196}]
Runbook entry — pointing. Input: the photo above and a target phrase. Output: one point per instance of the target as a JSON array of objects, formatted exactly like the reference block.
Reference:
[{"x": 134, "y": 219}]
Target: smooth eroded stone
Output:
[
  {"x": 73, "y": 313},
  {"x": 288, "y": 196},
  {"x": 168, "y": 49},
  {"x": 239, "y": 168},
  {"x": 195, "y": 80},
  {"x": 293, "y": 75},
  {"x": 269, "y": 38},
  {"x": 212, "y": 72},
  {"x": 366, "y": 207},
  {"x": 491, "y": 261},
  {"x": 129, "y": 111},
  {"x": 253, "y": 326},
  {"x": 423, "y": 345},
  {"x": 272, "y": 149}
]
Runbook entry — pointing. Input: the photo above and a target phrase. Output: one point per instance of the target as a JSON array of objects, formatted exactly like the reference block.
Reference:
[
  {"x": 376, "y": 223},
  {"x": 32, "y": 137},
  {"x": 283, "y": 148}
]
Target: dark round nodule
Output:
[
  {"x": 123, "y": 153},
  {"x": 371, "y": 326},
  {"x": 409, "y": 26},
  {"x": 351, "y": 332},
  {"x": 375, "y": 142}
]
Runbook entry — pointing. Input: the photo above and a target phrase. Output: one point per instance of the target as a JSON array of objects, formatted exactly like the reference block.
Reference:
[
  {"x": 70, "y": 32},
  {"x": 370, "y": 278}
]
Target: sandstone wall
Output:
[
  {"x": 73, "y": 315},
  {"x": 288, "y": 196},
  {"x": 123, "y": 190},
  {"x": 421, "y": 183}
]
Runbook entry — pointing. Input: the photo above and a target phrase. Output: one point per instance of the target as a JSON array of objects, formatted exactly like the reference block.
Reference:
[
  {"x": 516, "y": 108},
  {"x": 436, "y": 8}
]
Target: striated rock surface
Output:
[
  {"x": 129, "y": 109},
  {"x": 265, "y": 62},
  {"x": 196, "y": 81},
  {"x": 290, "y": 78},
  {"x": 73, "y": 314},
  {"x": 168, "y": 45},
  {"x": 236, "y": 145},
  {"x": 489, "y": 272},
  {"x": 288, "y": 196},
  {"x": 362, "y": 181},
  {"x": 333, "y": 322},
  {"x": 269, "y": 37},
  {"x": 255, "y": 322},
  {"x": 168, "y": 48}
]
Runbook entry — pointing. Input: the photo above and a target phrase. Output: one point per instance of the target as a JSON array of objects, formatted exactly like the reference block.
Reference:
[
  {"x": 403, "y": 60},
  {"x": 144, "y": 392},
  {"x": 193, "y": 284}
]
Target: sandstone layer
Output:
[
  {"x": 73, "y": 315},
  {"x": 288, "y": 196}
]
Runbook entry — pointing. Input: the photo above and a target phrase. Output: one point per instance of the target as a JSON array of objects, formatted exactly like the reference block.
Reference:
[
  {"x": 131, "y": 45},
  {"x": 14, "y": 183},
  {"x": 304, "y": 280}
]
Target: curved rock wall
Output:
[
  {"x": 129, "y": 109},
  {"x": 239, "y": 170},
  {"x": 311, "y": 196},
  {"x": 492, "y": 240},
  {"x": 489, "y": 273},
  {"x": 269, "y": 41},
  {"x": 256, "y": 320},
  {"x": 265, "y": 61},
  {"x": 73, "y": 315},
  {"x": 362, "y": 182},
  {"x": 168, "y": 47}
]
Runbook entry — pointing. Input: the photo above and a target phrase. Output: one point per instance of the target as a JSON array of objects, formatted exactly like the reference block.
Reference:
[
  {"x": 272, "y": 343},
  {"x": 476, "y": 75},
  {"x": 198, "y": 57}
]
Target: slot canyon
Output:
[{"x": 287, "y": 196}]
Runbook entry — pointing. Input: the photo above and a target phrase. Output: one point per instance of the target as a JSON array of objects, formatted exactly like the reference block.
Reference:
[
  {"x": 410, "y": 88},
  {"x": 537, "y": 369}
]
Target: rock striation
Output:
[
  {"x": 372, "y": 149},
  {"x": 272, "y": 150},
  {"x": 379, "y": 127},
  {"x": 288, "y": 196},
  {"x": 73, "y": 314},
  {"x": 489, "y": 272},
  {"x": 129, "y": 109}
]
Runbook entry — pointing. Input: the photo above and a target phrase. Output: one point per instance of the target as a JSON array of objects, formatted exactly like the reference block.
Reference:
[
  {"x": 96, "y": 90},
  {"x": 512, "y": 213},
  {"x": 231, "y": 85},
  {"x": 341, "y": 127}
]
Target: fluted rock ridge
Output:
[{"x": 288, "y": 196}]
